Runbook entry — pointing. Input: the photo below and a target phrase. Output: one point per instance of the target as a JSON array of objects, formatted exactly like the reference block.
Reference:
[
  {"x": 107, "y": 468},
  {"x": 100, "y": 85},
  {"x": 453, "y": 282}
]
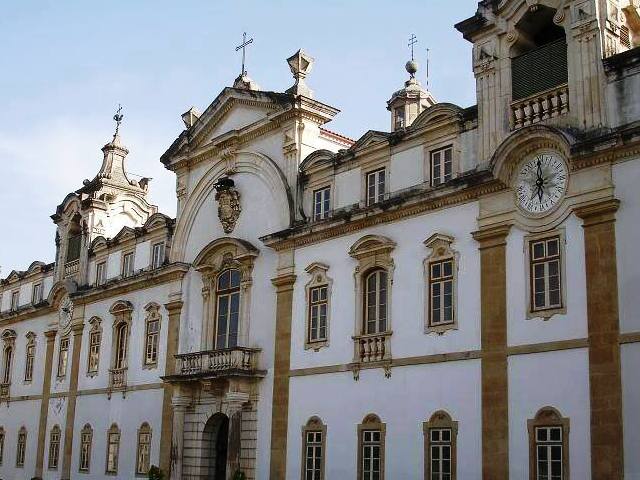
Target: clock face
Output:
[
  {"x": 541, "y": 182},
  {"x": 65, "y": 313}
]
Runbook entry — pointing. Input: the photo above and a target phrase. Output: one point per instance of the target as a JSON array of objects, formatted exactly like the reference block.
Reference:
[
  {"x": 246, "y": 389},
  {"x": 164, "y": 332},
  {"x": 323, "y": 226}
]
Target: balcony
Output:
[
  {"x": 220, "y": 363},
  {"x": 71, "y": 268},
  {"x": 4, "y": 391},
  {"x": 118, "y": 378},
  {"x": 372, "y": 347},
  {"x": 539, "y": 107}
]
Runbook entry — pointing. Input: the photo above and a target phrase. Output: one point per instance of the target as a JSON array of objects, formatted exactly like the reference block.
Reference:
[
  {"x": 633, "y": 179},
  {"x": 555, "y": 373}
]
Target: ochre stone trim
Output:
[
  {"x": 605, "y": 379},
  {"x": 548, "y": 417},
  {"x": 629, "y": 337},
  {"x": 495, "y": 381},
  {"x": 166, "y": 429},
  {"x": 548, "y": 346},
  {"x": 44, "y": 404},
  {"x": 107, "y": 391},
  {"x": 76, "y": 330},
  {"x": 282, "y": 354}
]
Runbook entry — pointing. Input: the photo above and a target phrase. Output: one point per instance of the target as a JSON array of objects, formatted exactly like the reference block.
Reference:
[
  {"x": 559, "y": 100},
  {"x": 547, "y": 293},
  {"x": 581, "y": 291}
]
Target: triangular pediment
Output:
[{"x": 370, "y": 138}]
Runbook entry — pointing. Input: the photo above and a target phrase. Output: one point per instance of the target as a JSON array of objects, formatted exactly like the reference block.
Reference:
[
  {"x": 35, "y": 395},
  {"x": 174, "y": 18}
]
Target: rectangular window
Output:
[
  {"x": 1, "y": 446},
  {"x": 399, "y": 118},
  {"x": 371, "y": 455},
  {"x": 440, "y": 454},
  {"x": 113, "y": 447},
  {"x": 318, "y": 304},
  {"x": 157, "y": 255},
  {"x": 36, "y": 293},
  {"x": 21, "y": 449},
  {"x": 151, "y": 347},
  {"x": 85, "y": 450},
  {"x": 549, "y": 453},
  {"x": 94, "y": 351},
  {"x": 441, "y": 166},
  {"x": 101, "y": 273},
  {"x": 127, "y": 264},
  {"x": 441, "y": 292},
  {"x": 545, "y": 267},
  {"x": 321, "y": 203},
  {"x": 63, "y": 357},
  {"x": 15, "y": 300},
  {"x": 313, "y": 456},
  {"x": 144, "y": 445},
  {"x": 54, "y": 448},
  {"x": 376, "y": 186},
  {"x": 30, "y": 358}
]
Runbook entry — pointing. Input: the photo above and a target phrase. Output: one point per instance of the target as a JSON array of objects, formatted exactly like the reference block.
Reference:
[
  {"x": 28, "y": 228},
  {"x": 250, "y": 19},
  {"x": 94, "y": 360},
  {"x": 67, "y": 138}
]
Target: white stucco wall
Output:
[
  {"x": 347, "y": 188},
  {"x": 406, "y": 168},
  {"x": 630, "y": 359},
  {"x": 12, "y": 419}
]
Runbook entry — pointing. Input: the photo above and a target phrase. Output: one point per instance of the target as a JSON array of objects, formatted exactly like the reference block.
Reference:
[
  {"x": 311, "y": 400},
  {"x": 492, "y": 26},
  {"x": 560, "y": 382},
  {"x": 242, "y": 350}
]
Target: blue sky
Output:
[{"x": 67, "y": 64}]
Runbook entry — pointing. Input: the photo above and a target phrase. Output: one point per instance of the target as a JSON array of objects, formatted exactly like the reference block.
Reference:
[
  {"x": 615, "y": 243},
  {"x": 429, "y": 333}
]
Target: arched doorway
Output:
[{"x": 215, "y": 442}]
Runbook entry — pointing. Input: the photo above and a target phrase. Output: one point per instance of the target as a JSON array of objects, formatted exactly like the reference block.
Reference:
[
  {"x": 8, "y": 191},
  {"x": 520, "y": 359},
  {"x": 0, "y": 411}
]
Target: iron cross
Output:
[
  {"x": 412, "y": 41},
  {"x": 118, "y": 118},
  {"x": 243, "y": 46}
]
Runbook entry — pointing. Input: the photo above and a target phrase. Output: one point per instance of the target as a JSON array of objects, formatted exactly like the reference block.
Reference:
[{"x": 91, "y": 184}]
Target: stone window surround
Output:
[
  {"x": 321, "y": 186},
  {"x": 122, "y": 312},
  {"x": 54, "y": 455},
  {"x": 85, "y": 430},
  {"x": 318, "y": 273},
  {"x": 8, "y": 339},
  {"x": 430, "y": 148},
  {"x": 21, "y": 441},
  {"x": 548, "y": 417},
  {"x": 31, "y": 342},
  {"x": 145, "y": 429},
  {"x": 318, "y": 182},
  {"x": 14, "y": 305},
  {"x": 36, "y": 287},
  {"x": 152, "y": 310},
  {"x": 368, "y": 166},
  {"x": 547, "y": 313},
  {"x": 314, "y": 424},
  {"x": 60, "y": 375},
  {"x": 113, "y": 430},
  {"x": 372, "y": 422},
  {"x": 222, "y": 254},
  {"x": 440, "y": 246},
  {"x": 125, "y": 252},
  {"x": 2, "y": 438},
  {"x": 95, "y": 327},
  {"x": 102, "y": 258},
  {"x": 152, "y": 246},
  {"x": 440, "y": 419}
]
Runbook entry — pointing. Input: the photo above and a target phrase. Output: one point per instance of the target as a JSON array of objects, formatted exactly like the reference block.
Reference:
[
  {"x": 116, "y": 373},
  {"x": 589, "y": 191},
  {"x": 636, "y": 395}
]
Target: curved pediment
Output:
[
  {"x": 371, "y": 245},
  {"x": 317, "y": 158},
  {"x": 121, "y": 307},
  {"x": 235, "y": 248},
  {"x": 157, "y": 220},
  {"x": 372, "y": 137},
  {"x": 438, "y": 112}
]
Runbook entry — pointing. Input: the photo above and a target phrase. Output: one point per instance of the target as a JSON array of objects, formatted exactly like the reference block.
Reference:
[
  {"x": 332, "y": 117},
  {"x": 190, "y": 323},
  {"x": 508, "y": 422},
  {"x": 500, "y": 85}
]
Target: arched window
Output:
[
  {"x": 122, "y": 332},
  {"x": 375, "y": 302},
  {"x": 30, "y": 355},
  {"x": 371, "y": 437},
  {"x": 86, "y": 439},
  {"x": 227, "y": 308},
  {"x": 122, "y": 312},
  {"x": 7, "y": 364},
  {"x": 54, "y": 447},
  {"x": 314, "y": 440},
  {"x": 440, "y": 439},
  {"x": 95, "y": 339},
  {"x": 548, "y": 445},
  {"x": 21, "y": 448},
  {"x": 144, "y": 449},
  {"x": 152, "y": 335},
  {"x": 113, "y": 449},
  {"x": 74, "y": 239}
]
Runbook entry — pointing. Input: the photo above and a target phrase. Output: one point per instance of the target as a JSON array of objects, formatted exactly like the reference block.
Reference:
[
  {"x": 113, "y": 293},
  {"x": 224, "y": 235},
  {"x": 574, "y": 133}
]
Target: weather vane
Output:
[
  {"x": 118, "y": 118},
  {"x": 243, "y": 46},
  {"x": 412, "y": 41}
]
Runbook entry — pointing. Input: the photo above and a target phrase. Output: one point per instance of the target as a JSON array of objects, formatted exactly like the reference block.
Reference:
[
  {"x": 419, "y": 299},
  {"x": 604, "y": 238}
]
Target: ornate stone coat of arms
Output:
[{"x": 228, "y": 199}]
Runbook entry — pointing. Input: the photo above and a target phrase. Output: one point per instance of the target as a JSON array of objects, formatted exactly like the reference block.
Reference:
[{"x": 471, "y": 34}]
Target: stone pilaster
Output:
[
  {"x": 76, "y": 331},
  {"x": 44, "y": 404},
  {"x": 495, "y": 381},
  {"x": 605, "y": 381},
  {"x": 179, "y": 404},
  {"x": 166, "y": 430},
  {"x": 280, "y": 406},
  {"x": 234, "y": 400}
]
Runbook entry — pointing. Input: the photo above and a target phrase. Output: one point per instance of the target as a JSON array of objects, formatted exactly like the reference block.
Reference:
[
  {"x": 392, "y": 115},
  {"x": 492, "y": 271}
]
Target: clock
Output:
[
  {"x": 541, "y": 182},
  {"x": 65, "y": 312}
]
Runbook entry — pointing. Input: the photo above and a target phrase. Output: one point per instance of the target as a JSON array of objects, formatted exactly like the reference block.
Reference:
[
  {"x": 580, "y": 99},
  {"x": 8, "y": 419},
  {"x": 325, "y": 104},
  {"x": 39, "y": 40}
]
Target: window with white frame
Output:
[
  {"x": 157, "y": 255},
  {"x": 86, "y": 439},
  {"x": 36, "y": 293},
  {"x": 441, "y": 292},
  {"x": 440, "y": 434},
  {"x": 127, "y": 264},
  {"x": 318, "y": 303},
  {"x": 376, "y": 186},
  {"x": 545, "y": 273},
  {"x": 95, "y": 339},
  {"x": 7, "y": 364},
  {"x": 15, "y": 300},
  {"x": 441, "y": 166},
  {"x": 54, "y": 447},
  {"x": 227, "y": 308},
  {"x": 144, "y": 449},
  {"x": 375, "y": 301},
  {"x": 21, "y": 449},
  {"x": 63, "y": 356},
  {"x": 399, "y": 120},
  {"x": 371, "y": 435},
  {"x": 30, "y": 356},
  {"x": 122, "y": 338},
  {"x": 313, "y": 448},
  {"x": 113, "y": 449},
  {"x": 548, "y": 445},
  {"x": 321, "y": 203},
  {"x": 101, "y": 273},
  {"x": 152, "y": 334}
]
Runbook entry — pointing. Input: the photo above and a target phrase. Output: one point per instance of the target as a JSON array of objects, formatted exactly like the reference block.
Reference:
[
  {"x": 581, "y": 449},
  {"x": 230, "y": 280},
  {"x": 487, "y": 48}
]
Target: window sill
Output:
[
  {"x": 545, "y": 314},
  {"x": 440, "y": 329},
  {"x": 316, "y": 345}
]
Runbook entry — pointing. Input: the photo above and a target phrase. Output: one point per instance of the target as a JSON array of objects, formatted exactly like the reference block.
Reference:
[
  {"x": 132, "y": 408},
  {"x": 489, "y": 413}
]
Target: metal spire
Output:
[
  {"x": 243, "y": 46},
  {"x": 118, "y": 119}
]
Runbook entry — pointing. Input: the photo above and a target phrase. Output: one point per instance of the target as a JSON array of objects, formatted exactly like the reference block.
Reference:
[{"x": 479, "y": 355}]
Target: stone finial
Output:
[
  {"x": 190, "y": 117},
  {"x": 300, "y": 64}
]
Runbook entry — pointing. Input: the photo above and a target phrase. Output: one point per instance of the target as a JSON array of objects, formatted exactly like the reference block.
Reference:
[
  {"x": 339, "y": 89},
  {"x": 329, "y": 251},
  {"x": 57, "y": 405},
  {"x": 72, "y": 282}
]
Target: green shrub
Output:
[{"x": 155, "y": 473}]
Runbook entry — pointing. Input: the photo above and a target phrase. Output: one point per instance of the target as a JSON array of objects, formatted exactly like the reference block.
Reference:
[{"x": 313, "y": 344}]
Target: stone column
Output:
[
  {"x": 44, "y": 404},
  {"x": 605, "y": 381},
  {"x": 76, "y": 331},
  {"x": 280, "y": 402},
  {"x": 173, "y": 338},
  {"x": 179, "y": 404},
  {"x": 495, "y": 381}
]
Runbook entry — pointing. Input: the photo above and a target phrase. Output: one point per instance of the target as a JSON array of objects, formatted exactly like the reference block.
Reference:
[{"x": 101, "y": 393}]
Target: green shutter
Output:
[{"x": 539, "y": 70}]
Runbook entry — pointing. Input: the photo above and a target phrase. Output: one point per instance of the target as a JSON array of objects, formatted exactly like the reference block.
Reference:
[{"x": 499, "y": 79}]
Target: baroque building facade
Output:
[{"x": 453, "y": 299}]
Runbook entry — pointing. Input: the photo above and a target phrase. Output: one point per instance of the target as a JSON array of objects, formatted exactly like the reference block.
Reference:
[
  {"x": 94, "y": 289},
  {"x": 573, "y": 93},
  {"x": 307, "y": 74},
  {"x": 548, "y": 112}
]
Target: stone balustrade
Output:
[
  {"x": 226, "y": 361},
  {"x": 118, "y": 377},
  {"x": 372, "y": 347},
  {"x": 71, "y": 268},
  {"x": 4, "y": 390},
  {"x": 541, "y": 106}
]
